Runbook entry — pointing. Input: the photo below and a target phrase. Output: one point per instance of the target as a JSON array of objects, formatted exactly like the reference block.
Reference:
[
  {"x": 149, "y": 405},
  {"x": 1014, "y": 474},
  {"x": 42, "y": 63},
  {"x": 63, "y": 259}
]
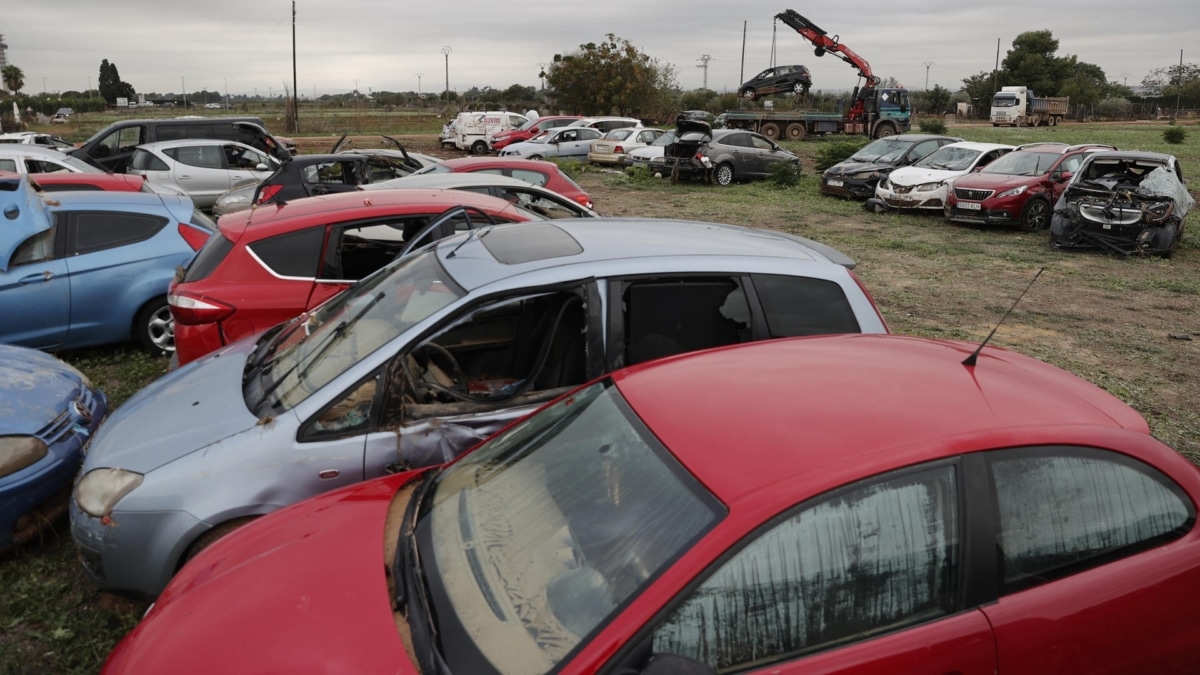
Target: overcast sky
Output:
[{"x": 246, "y": 46}]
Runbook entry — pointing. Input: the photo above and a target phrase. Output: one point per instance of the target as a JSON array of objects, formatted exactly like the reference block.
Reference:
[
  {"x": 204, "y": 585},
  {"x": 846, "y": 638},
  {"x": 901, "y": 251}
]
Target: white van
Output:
[{"x": 474, "y": 130}]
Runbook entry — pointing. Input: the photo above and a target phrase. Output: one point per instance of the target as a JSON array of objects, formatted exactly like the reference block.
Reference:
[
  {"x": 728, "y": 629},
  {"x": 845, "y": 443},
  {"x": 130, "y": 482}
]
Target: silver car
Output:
[
  {"x": 204, "y": 169},
  {"x": 567, "y": 141},
  {"x": 423, "y": 359}
]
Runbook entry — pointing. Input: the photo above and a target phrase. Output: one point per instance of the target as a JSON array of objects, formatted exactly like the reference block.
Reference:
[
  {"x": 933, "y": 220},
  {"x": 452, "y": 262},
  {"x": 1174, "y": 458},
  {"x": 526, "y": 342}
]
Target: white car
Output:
[
  {"x": 607, "y": 124},
  {"x": 204, "y": 169},
  {"x": 925, "y": 184},
  {"x": 569, "y": 141},
  {"x": 612, "y": 148},
  {"x": 653, "y": 155},
  {"x": 41, "y": 140},
  {"x": 28, "y": 158}
]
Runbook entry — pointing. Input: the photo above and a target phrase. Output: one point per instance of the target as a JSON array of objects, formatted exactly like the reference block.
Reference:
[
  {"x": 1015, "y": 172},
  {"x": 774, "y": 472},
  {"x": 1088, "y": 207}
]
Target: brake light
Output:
[
  {"x": 618, "y": 150},
  {"x": 191, "y": 311},
  {"x": 268, "y": 193},
  {"x": 195, "y": 237},
  {"x": 584, "y": 200}
]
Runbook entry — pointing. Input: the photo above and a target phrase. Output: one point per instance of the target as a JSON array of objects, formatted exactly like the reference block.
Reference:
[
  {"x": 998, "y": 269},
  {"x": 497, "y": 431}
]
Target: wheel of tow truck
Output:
[
  {"x": 885, "y": 130},
  {"x": 479, "y": 148},
  {"x": 723, "y": 174},
  {"x": 770, "y": 130},
  {"x": 1035, "y": 216},
  {"x": 796, "y": 131},
  {"x": 748, "y": 93}
]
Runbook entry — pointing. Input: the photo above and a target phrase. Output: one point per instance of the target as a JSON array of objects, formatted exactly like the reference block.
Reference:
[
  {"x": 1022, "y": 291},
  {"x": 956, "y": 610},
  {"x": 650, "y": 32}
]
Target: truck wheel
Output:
[
  {"x": 796, "y": 131},
  {"x": 770, "y": 130},
  {"x": 723, "y": 174},
  {"x": 748, "y": 93},
  {"x": 1036, "y": 215},
  {"x": 885, "y": 130},
  {"x": 479, "y": 148},
  {"x": 1053, "y": 121}
]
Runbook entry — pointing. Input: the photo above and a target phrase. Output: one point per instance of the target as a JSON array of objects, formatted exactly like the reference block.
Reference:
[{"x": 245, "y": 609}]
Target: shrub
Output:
[
  {"x": 835, "y": 152},
  {"x": 932, "y": 125},
  {"x": 639, "y": 174},
  {"x": 784, "y": 174},
  {"x": 1113, "y": 107},
  {"x": 1175, "y": 135}
]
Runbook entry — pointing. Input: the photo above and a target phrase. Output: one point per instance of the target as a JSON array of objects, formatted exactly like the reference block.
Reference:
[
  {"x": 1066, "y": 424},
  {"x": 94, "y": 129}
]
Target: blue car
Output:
[
  {"x": 79, "y": 269},
  {"x": 48, "y": 411}
]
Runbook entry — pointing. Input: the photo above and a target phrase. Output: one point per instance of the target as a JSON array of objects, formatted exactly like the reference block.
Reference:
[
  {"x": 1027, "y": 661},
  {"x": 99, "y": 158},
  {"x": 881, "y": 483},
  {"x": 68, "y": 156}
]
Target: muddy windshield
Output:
[
  {"x": 949, "y": 158},
  {"x": 321, "y": 345},
  {"x": 883, "y": 150},
  {"x": 1023, "y": 163},
  {"x": 534, "y": 540}
]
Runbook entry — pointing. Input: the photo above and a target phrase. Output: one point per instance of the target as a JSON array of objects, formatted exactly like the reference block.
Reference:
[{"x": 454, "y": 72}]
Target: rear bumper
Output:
[{"x": 193, "y": 342}]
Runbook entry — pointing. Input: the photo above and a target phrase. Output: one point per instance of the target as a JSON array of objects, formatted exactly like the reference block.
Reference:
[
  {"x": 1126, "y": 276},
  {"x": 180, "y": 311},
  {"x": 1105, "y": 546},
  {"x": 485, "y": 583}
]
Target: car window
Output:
[
  {"x": 867, "y": 559},
  {"x": 121, "y": 140},
  {"x": 795, "y": 306},
  {"x": 542, "y": 205},
  {"x": 669, "y": 316},
  {"x": 618, "y": 134},
  {"x": 144, "y": 160},
  {"x": 203, "y": 156},
  {"x": 354, "y": 251},
  {"x": 37, "y": 248},
  {"x": 1065, "y": 510},
  {"x": 923, "y": 148},
  {"x": 348, "y": 415},
  {"x": 589, "y": 134},
  {"x": 293, "y": 255},
  {"x": 91, "y": 231},
  {"x": 760, "y": 143},
  {"x": 8, "y": 165},
  {"x": 242, "y": 157},
  {"x": 1071, "y": 163},
  {"x": 536, "y": 177},
  {"x": 736, "y": 140},
  {"x": 43, "y": 166}
]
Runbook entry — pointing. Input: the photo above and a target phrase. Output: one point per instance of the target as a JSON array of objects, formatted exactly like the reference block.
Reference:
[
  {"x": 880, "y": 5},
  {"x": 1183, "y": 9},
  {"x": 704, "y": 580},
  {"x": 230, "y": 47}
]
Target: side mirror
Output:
[
  {"x": 1062, "y": 176},
  {"x": 261, "y": 167}
]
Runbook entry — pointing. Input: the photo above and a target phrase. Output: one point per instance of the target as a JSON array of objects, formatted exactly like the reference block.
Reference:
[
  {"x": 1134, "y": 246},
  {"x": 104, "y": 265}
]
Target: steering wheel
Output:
[{"x": 442, "y": 358}]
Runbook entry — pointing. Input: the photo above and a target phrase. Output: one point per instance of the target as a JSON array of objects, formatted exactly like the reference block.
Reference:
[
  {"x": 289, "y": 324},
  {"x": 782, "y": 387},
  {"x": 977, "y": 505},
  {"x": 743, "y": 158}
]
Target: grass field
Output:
[{"x": 1106, "y": 319}]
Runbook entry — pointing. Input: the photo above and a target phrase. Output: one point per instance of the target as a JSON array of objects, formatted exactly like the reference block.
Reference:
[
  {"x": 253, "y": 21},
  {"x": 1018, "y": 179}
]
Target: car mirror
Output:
[
  {"x": 1061, "y": 176},
  {"x": 261, "y": 167}
]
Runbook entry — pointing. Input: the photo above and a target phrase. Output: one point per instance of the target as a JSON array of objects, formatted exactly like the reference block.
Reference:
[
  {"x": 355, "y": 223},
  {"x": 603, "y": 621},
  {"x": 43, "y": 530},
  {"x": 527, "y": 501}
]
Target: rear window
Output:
[
  {"x": 96, "y": 231},
  {"x": 295, "y": 254},
  {"x": 69, "y": 187},
  {"x": 208, "y": 259}
]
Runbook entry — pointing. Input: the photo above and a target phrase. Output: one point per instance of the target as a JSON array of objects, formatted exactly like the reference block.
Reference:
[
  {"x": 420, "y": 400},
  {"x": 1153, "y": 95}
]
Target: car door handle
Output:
[
  {"x": 329, "y": 473},
  {"x": 36, "y": 278}
]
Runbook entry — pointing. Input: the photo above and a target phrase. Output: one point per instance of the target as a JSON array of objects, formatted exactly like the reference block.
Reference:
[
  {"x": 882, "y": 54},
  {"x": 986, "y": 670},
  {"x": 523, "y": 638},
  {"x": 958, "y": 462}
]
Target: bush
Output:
[
  {"x": 784, "y": 174},
  {"x": 835, "y": 152},
  {"x": 932, "y": 125},
  {"x": 639, "y": 174},
  {"x": 1113, "y": 107},
  {"x": 1175, "y": 135}
]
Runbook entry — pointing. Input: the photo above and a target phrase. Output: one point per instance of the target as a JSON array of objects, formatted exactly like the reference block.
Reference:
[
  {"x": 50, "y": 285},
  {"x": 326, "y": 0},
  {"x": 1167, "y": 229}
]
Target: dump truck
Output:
[{"x": 1020, "y": 107}]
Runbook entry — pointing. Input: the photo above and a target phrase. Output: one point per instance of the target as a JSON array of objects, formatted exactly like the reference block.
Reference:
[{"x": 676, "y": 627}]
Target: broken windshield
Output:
[
  {"x": 949, "y": 158},
  {"x": 884, "y": 150}
]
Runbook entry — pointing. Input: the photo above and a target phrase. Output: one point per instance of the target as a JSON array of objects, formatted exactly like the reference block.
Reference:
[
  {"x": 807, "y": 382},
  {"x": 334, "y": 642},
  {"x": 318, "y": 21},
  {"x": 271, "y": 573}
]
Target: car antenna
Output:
[{"x": 970, "y": 360}]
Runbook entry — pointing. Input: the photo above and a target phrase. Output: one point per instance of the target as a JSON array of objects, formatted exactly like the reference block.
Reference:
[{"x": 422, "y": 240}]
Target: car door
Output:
[
  {"x": 766, "y": 154},
  {"x": 35, "y": 293},
  {"x": 863, "y": 579},
  {"x": 243, "y": 163},
  {"x": 1068, "y": 166},
  {"x": 199, "y": 170},
  {"x": 112, "y": 152},
  {"x": 737, "y": 150}
]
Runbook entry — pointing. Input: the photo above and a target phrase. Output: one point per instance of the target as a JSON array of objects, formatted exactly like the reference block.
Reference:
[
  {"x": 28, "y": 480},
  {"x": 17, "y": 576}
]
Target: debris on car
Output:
[{"x": 1132, "y": 203}]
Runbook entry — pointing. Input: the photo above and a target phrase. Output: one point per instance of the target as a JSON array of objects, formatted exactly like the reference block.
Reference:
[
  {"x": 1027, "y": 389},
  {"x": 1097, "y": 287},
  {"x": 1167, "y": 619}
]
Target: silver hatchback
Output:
[{"x": 204, "y": 169}]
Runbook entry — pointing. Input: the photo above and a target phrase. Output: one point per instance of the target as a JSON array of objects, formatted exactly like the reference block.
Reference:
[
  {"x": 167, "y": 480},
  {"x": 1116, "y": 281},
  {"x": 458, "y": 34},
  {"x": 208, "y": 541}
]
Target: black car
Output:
[
  {"x": 722, "y": 156},
  {"x": 777, "y": 80},
  {"x": 1123, "y": 202},
  {"x": 857, "y": 176}
]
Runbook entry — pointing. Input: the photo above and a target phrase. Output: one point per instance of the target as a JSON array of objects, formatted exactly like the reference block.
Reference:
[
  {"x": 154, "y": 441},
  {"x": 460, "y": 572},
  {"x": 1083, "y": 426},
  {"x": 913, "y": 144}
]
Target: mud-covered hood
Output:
[
  {"x": 310, "y": 590},
  {"x": 175, "y": 415},
  {"x": 849, "y": 168},
  {"x": 34, "y": 389}
]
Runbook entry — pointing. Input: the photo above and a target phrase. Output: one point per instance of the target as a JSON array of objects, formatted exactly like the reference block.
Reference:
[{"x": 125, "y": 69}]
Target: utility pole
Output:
[
  {"x": 226, "y": 93},
  {"x": 704, "y": 66},
  {"x": 295, "y": 89},
  {"x": 446, "y": 52},
  {"x": 1179, "y": 83},
  {"x": 542, "y": 75},
  {"x": 927, "y": 64},
  {"x": 996, "y": 70},
  {"x": 418, "y": 86},
  {"x": 742, "y": 73},
  {"x": 1126, "y": 76},
  {"x": 183, "y": 86}
]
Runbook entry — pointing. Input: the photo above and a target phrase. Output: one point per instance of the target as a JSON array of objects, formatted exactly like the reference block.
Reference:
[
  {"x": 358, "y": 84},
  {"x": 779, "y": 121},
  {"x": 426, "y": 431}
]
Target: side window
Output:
[
  {"x": 796, "y": 306},
  {"x": 589, "y": 134},
  {"x": 42, "y": 166},
  {"x": 203, "y": 156},
  {"x": 144, "y": 160},
  {"x": 1071, "y": 163},
  {"x": 349, "y": 415},
  {"x": 737, "y": 140},
  {"x": 9, "y": 165},
  {"x": 172, "y": 132},
  {"x": 355, "y": 251},
  {"x": 536, "y": 177},
  {"x": 121, "y": 140},
  {"x": 294, "y": 255},
  {"x": 543, "y": 206},
  {"x": 670, "y": 316},
  {"x": 240, "y": 157},
  {"x": 869, "y": 559},
  {"x": 38, "y": 248},
  {"x": 96, "y": 231},
  {"x": 759, "y": 143},
  {"x": 1064, "y": 510},
  {"x": 921, "y": 149}
]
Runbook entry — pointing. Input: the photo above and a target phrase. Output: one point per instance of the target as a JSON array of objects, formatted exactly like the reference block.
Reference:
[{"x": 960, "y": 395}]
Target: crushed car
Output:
[
  {"x": 1127, "y": 202},
  {"x": 723, "y": 156}
]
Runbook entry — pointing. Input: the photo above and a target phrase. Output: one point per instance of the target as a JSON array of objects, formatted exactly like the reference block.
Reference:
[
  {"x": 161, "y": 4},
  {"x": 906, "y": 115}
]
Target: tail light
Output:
[
  {"x": 191, "y": 311},
  {"x": 195, "y": 237},
  {"x": 268, "y": 193},
  {"x": 584, "y": 200},
  {"x": 618, "y": 150}
]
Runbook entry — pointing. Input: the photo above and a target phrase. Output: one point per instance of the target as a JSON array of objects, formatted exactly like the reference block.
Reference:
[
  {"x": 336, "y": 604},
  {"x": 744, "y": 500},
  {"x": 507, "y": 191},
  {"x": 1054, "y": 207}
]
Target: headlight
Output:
[
  {"x": 18, "y": 452},
  {"x": 1155, "y": 213},
  {"x": 100, "y": 490},
  {"x": 928, "y": 187},
  {"x": 866, "y": 175},
  {"x": 1013, "y": 192},
  {"x": 235, "y": 198}
]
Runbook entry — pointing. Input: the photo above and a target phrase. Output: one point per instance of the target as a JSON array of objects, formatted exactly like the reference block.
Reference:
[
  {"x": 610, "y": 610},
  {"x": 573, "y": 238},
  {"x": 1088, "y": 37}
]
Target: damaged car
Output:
[
  {"x": 857, "y": 176},
  {"x": 1127, "y": 202},
  {"x": 722, "y": 156},
  {"x": 777, "y": 80},
  {"x": 417, "y": 363},
  {"x": 926, "y": 183}
]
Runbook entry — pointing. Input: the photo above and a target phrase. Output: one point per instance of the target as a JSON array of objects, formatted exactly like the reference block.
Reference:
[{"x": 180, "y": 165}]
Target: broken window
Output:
[{"x": 669, "y": 316}]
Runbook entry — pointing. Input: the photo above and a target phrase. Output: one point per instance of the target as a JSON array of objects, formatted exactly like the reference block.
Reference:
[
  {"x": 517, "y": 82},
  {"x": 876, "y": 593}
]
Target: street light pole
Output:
[{"x": 446, "y": 51}]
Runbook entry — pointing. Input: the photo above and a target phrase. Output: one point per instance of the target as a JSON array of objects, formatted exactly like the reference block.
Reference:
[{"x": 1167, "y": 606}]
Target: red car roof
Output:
[{"x": 105, "y": 181}]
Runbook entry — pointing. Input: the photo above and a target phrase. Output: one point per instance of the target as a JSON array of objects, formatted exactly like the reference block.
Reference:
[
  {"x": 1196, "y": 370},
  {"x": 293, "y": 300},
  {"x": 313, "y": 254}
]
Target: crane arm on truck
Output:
[{"x": 823, "y": 43}]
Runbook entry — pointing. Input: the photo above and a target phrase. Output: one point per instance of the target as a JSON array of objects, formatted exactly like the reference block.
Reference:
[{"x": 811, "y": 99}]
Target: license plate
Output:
[
  {"x": 970, "y": 206},
  {"x": 834, "y": 183}
]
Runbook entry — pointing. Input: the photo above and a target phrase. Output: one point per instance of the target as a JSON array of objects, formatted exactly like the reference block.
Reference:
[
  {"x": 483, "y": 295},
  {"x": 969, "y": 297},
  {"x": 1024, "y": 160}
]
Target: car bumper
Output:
[
  {"x": 193, "y": 342},
  {"x": 134, "y": 553},
  {"x": 606, "y": 158},
  {"x": 957, "y": 213},
  {"x": 933, "y": 199},
  {"x": 848, "y": 188}
]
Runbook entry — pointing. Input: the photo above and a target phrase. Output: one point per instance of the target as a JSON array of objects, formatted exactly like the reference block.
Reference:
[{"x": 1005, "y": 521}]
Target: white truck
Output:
[
  {"x": 1020, "y": 107},
  {"x": 474, "y": 130}
]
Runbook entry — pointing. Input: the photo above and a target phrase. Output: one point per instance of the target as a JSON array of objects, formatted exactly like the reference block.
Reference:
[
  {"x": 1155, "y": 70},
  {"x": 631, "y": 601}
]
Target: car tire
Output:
[
  {"x": 723, "y": 174},
  {"x": 798, "y": 89},
  {"x": 1036, "y": 215},
  {"x": 154, "y": 328},
  {"x": 479, "y": 148},
  {"x": 749, "y": 94},
  {"x": 534, "y": 157},
  {"x": 796, "y": 131},
  {"x": 210, "y": 537},
  {"x": 770, "y": 130}
]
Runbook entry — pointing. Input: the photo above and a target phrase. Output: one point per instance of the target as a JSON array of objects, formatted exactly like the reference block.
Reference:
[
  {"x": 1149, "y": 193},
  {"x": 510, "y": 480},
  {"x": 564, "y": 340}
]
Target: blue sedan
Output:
[
  {"x": 48, "y": 411},
  {"x": 90, "y": 268}
]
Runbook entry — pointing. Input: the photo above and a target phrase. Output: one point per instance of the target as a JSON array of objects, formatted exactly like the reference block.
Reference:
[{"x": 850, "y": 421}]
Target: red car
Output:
[
  {"x": 539, "y": 172},
  {"x": 1020, "y": 188},
  {"x": 840, "y": 504},
  {"x": 272, "y": 263},
  {"x": 530, "y": 129},
  {"x": 60, "y": 181}
]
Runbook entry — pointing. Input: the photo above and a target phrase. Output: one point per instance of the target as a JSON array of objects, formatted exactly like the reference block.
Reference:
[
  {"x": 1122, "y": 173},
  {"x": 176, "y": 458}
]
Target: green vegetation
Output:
[
  {"x": 932, "y": 125},
  {"x": 1174, "y": 135},
  {"x": 836, "y": 150}
]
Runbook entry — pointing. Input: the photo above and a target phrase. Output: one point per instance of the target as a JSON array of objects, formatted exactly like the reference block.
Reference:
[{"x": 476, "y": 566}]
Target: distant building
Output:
[{"x": 3, "y": 52}]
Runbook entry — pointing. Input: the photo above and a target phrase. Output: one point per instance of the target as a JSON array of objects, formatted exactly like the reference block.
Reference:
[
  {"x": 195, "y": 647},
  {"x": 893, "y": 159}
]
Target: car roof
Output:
[
  {"x": 1060, "y": 148},
  {"x": 505, "y": 162},
  {"x": 806, "y": 414},
  {"x": 30, "y": 149},
  {"x": 97, "y": 179},
  {"x": 189, "y": 142},
  {"x": 103, "y": 199},
  {"x": 450, "y": 180},
  {"x": 1131, "y": 154},
  {"x": 975, "y": 145},
  {"x": 516, "y": 249},
  {"x": 917, "y": 138}
]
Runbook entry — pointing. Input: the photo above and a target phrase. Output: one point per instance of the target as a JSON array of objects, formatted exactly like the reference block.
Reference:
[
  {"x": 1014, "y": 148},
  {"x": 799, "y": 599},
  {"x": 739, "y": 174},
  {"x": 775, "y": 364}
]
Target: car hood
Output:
[
  {"x": 648, "y": 152},
  {"x": 993, "y": 181},
  {"x": 912, "y": 175},
  {"x": 310, "y": 587},
  {"x": 849, "y": 168},
  {"x": 177, "y": 414},
  {"x": 34, "y": 387}
]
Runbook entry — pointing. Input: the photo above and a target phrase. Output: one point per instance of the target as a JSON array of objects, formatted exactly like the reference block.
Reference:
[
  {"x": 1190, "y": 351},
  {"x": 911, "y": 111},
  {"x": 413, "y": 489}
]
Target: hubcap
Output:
[{"x": 161, "y": 330}]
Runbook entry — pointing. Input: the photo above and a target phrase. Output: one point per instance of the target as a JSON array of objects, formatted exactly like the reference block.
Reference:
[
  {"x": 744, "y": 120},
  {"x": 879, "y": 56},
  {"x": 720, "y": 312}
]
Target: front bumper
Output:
[
  {"x": 929, "y": 200},
  {"x": 849, "y": 188},
  {"x": 984, "y": 215}
]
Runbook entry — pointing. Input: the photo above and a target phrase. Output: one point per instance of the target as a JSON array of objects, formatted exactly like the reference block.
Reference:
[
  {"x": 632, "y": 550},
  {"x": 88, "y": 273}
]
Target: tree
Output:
[
  {"x": 111, "y": 87},
  {"x": 936, "y": 100},
  {"x": 610, "y": 76},
  {"x": 14, "y": 79}
]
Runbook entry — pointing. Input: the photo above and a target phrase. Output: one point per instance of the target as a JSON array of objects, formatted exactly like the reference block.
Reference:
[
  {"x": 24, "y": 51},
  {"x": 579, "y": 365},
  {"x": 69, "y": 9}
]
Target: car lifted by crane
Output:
[{"x": 874, "y": 110}]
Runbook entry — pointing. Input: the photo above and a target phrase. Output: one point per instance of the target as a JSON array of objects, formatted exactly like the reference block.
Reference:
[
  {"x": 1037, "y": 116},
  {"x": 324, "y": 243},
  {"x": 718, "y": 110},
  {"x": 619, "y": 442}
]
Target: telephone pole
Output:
[{"x": 446, "y": 52}]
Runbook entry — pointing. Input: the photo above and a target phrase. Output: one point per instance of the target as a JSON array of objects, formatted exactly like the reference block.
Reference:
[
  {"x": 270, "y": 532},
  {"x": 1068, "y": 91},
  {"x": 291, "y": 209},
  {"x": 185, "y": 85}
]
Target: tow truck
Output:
[{"x": 874, "y": 111}]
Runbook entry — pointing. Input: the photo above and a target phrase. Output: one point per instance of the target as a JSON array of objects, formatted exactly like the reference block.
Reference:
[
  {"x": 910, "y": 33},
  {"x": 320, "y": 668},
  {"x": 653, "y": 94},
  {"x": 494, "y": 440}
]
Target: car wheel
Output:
[
  {"x": 723, "y": 174},
  {"x": 749, "y": 94},
  {"x": 209, "y": 538},
  {"x": 770, "y": 130},
  {"x": 479, "y": 148},
  {"x": 798, "y": 88},
  {"x": 796, "y": 131},
  {"x": 1035, "y": 216},
  {"x": 534, "y": 157},
  {"x": 154, "y": 328}
]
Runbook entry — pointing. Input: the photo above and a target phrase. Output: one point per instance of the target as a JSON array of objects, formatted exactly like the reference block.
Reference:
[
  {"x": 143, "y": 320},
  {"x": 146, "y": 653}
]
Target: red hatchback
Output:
[
  {"x": 842, "y": 504},
  {"x": 1020, "y": 188},
  {"x": 530, "y": 129},
  {"x": 65, "y": 181},
  {"x": 539, "y": 172},
  {"x": 272, "y": 263}
]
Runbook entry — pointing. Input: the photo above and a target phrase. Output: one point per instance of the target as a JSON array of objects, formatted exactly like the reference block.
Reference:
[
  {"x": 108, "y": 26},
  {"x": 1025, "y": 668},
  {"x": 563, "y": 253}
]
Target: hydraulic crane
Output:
[{"x": 824, "y": 44}]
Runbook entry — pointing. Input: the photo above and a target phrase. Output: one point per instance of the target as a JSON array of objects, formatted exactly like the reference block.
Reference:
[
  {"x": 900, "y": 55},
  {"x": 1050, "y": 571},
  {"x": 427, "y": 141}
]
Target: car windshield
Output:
[
  {"x": 432, "y": 168},
  {"x": 883, "y": 150},
  {"x": 539, "y": 535},
  {"x": 540, "y": 138},
  {"x": 321, "y": 345},
  {"x": 950, "y": 158},
  {"x": 1023, "y": 163}
]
